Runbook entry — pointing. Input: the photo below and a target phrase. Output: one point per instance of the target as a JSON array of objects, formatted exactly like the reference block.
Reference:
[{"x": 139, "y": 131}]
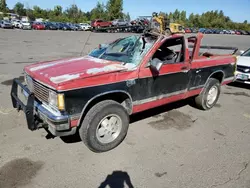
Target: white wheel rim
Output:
[
  {"x": 109, "y": 128},
  {"x": 212, "y": 95}
]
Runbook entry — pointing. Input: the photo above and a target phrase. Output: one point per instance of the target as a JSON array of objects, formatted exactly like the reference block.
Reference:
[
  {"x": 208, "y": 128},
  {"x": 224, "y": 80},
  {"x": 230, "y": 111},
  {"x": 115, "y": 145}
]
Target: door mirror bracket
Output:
[{"x": 155, "y": 64}]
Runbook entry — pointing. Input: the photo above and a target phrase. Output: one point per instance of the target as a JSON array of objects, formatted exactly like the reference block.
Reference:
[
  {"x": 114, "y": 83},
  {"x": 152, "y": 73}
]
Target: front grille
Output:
[
  {"x": 41, "y": 92},
  {"x": 244, "y": 69}
]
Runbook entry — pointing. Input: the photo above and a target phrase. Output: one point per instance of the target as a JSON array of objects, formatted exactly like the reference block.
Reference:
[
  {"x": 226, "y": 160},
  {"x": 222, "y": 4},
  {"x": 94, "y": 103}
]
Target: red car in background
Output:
[
  {"x": 237, "y": 33},
  {"x": 187, "y": 30},
  {"x": 100, "y": 23},
  {"x": 38, "y": 26}
]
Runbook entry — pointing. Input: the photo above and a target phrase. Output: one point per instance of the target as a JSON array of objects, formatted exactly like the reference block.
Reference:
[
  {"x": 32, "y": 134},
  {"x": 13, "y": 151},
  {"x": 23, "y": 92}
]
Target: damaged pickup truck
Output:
[{"x": 94, "y": 95}]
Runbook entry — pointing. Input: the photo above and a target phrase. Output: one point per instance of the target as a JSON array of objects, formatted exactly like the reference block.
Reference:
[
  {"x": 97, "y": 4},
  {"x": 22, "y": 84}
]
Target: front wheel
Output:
[
  {"x": 105, "y": 126},
  {"x": 168, "y": 31},
  {"x": 209, "y": 96}
]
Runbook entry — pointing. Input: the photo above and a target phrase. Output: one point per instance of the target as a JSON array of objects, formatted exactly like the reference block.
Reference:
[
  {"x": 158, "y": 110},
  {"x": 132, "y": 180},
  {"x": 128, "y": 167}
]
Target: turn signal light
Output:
[{"x": 61, "y": 104}]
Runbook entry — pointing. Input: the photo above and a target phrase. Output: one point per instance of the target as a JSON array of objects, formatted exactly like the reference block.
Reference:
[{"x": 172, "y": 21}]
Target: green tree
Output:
[
  {"x": 37, "y": 11},
  {"x": 114, "y": 9},
  {"x": 183, "y": 16},
  {"x": 191, "y": 20},
  {"x": 19, "y": 9},
  {"x": 126, "y": 17},
  {"x": 98, "y": 12},
  {"x": 171, "y": 17},
  {"x": 3, "y": 6},
  {"x": 57, "y": 10},
  {"x": 176, "y": 15}
]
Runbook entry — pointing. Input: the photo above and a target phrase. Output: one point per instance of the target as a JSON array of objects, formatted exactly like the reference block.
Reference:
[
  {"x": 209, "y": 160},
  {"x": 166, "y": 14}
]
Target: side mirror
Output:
[
  {"x": 156, "y": 64},
  {"x": 241, "y": 52}
]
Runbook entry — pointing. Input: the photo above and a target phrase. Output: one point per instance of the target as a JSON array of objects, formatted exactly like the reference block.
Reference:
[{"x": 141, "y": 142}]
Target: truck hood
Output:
[
  {"x": 243, "y": 61},
  {"x": 60, "y": 72}
]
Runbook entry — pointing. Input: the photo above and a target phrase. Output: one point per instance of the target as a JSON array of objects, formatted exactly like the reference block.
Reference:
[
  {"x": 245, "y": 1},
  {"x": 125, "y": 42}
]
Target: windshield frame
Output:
[{"x": 135, "y": 53}]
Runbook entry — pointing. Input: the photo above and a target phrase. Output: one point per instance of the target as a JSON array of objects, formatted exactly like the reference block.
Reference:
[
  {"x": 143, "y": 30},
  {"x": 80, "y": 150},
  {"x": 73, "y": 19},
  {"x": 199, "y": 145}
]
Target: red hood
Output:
[{"x": 59, "y": 72}]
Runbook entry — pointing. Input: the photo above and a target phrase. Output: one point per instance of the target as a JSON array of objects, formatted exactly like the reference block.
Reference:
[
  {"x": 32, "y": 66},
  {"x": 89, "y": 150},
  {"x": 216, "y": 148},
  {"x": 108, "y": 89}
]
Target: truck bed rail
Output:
[{"x": 234, "y": 49}]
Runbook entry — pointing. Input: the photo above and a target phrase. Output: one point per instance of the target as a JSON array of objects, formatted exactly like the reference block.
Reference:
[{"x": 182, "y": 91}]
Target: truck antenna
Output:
[{"x": 85, "y": 43}]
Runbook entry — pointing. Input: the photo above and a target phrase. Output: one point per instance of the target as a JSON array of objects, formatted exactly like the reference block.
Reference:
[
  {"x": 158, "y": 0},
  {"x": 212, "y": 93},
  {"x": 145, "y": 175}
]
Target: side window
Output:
[{"x": 171, "y": 51}]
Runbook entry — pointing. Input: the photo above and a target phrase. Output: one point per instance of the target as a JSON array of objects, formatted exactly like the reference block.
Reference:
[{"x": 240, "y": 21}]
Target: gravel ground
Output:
[{"x": 169, "y": 147}]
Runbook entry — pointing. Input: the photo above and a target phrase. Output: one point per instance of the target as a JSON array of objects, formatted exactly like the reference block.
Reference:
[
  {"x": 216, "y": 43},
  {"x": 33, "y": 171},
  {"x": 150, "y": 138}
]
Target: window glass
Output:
[
  {"x": 246, "y": 53},
  {"x": 171, "y": 51}
]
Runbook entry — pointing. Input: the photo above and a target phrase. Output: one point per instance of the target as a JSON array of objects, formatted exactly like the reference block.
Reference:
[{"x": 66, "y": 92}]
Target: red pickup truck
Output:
[
  {"x": 98, "y": 23},
  {"x": 96, "y": 94}
]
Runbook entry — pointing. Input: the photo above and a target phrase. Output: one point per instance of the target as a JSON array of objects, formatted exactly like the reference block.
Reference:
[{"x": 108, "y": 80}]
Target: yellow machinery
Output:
[{"x": 160, "y": 25}]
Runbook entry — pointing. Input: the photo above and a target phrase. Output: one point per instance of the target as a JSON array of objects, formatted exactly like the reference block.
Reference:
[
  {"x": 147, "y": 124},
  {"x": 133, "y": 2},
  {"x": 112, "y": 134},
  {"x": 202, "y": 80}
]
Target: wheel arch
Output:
[
  {"x": 219, "y": 75},
  {"x": 120, "y": 96}
]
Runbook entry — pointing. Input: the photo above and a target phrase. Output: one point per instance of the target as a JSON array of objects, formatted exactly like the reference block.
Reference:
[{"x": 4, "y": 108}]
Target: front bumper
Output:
[
  {"x": 26, "y": 27},
  {"x": 239, "y": 79},
  {"x": 7, "y": 26},
  {"x": 38, "y": 115}
]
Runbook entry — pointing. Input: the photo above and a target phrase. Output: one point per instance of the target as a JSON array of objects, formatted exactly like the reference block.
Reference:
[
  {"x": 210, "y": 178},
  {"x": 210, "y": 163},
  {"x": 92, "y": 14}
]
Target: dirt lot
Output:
[{"x": 169, "y": 147}]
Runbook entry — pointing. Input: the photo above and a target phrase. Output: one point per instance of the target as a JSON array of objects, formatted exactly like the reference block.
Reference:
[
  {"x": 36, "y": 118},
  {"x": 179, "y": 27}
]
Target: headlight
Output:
[
  {"x": 28, "y": 80},
  {"x": 53, "y": 98},
  {"x": 56, "y": 100}
]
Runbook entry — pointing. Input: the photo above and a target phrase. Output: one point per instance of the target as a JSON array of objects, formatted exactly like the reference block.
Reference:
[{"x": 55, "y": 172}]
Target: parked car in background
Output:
[
  {"x": 243, "y": 32},
  {"x": 38, "y": 26},
  {"x": 194, "y": 30},
  {"x": 232, "y": 32},
  {"x": 78, "y": 27},
  {"x": 226, "y": 31},
  {"x": 25, "y": 25},
  {"x": 237, "y": 32},
  {"x": 217, "y": 31},
  {"x": 50, "y": 26},
  {"x": 98, "y": 23},
  {"x": 6, "y": 24},
  {"x": 188, "y": 30},
  {"x": 140, "y": 21},
  {"x": 208, "y": 31},
  {"x": 85, "y": 26},
  {"x": 72, "y": 26},
  {"x": 16, "y": 23},
  {"x": 202, "y": 30},
  {"x": 243, "y": 67},
  {"x": 65, "y": 27},
  {"x": 120, "y": 22}
]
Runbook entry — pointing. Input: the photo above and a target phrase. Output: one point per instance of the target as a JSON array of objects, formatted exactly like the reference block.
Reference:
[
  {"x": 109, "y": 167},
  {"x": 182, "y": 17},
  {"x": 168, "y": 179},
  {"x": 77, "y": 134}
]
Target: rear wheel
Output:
[
  {"x": 105, "y": 126},
  {"x": 209, "y": 96},
  {"x": 168, "y": 31}
]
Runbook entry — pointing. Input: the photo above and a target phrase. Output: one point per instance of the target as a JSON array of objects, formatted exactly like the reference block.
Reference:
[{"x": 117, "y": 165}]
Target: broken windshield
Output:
[{"x": 127, "y": 50}]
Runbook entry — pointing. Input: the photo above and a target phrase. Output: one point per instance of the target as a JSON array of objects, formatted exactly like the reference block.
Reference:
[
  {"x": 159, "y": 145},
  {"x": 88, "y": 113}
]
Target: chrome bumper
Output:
[{"x": 39, "y": 115}]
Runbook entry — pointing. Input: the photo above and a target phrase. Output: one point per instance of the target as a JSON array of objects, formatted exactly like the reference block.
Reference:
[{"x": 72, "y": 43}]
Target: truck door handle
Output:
[{"x": 184, "y": 68}]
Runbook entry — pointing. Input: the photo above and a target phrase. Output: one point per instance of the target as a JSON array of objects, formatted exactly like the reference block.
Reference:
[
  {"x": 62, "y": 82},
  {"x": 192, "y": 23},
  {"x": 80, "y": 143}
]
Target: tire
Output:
[
  {"x": 168, "y": 32},
  {"x": 92, "y": 122},
  {"x": 202, "y": 100}
]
